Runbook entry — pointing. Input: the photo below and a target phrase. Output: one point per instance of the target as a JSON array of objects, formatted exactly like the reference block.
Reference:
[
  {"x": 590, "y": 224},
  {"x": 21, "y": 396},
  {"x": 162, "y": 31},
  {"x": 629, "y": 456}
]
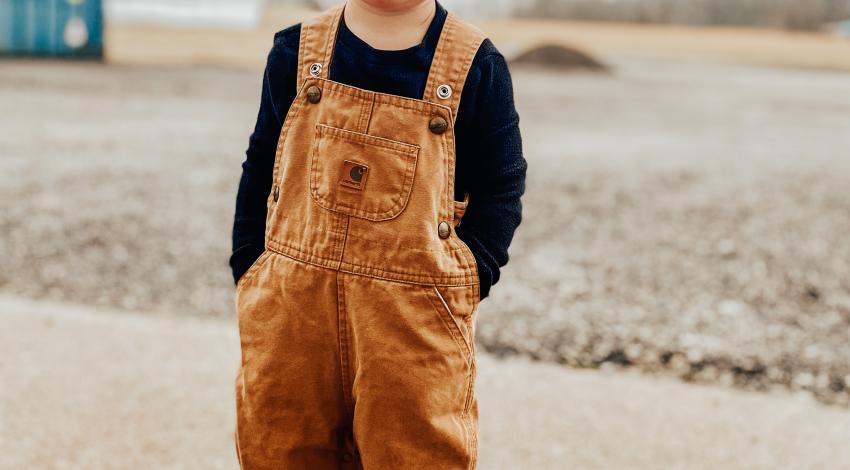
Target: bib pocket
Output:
[{"x": 361, "y": 175}]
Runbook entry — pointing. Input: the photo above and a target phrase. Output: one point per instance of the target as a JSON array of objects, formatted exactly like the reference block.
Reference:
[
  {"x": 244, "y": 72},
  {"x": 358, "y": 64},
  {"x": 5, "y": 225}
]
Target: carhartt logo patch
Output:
[{"x": 354, "y": 174}]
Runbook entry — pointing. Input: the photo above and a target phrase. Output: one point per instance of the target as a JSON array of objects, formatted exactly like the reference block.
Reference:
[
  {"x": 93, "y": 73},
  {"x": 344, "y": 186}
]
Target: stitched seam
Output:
[
  {"x": 443, "y": 53},
  {"x": 465, "y": 63},
  {"x": 453, "y": 73},
  {"x": 313, "y": 43},
  {"x": 448, "y": 164},
  {"x": 344, "y": 224},
  {"x": 399, "y": 203},
  {"x": 328, "y": 89},
  {"x": 397, "y": 146},
  {"x": 360, "y": 118},
  {"x": 302, "y": 52},
  {"x": 363, "y": 118},
  {"x": 468, "y": 256},
  {"x": 337, "y": 240},
  {"x": 369, "y": 114},
  {"x": 449, "y": 160},
  {"x": 470, "y": 362},
  {"x": 442, "y": 313},
  {"x": 310, "y": 258},
  {"x": 400, "y": 199},
  {"x": 379, "y": 273},
  {"x": 238, "y": 449},
  {"x": 291, "y": 115},
  {"x": 470, "y": 387},
  {"x": 467, "y": 430},
  {"x": 343, "y": 345},
  {"x": 373, "y": 241},
  {"x": 303, "y": 252},
  {"x": 437, "y": 60},
  {"x": 467, "y": 422},
  {"x": 330, "y": 43},
  {"x": 419, "y": 110},
  {"x": 299, "y": 255},
  {"x": 412, "y": 104},
  {"x": 467, "y": 417},
  {"x": 454, "y": 319}
]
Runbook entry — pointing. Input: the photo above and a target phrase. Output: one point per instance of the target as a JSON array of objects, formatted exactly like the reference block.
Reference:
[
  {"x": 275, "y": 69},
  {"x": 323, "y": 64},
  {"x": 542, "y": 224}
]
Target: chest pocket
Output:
[{"x": 361, "y": 175}]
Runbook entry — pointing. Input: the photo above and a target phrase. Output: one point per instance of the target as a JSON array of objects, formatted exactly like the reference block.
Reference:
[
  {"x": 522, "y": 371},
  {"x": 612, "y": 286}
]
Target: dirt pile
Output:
[{"x": 559, "y": 58}]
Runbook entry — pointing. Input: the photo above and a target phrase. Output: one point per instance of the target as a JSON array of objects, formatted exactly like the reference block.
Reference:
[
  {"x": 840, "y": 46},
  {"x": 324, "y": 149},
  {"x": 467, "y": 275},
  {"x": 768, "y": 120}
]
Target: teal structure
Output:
[{"x": 51, "y": 28}]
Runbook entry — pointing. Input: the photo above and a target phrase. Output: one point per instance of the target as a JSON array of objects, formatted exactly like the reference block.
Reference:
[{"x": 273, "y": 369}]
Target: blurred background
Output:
[{"x": 678, "y": 294}]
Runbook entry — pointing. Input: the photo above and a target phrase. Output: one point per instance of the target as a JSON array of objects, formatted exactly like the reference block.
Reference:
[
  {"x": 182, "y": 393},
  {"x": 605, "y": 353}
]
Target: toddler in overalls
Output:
[{"x": 357, "y": 285}]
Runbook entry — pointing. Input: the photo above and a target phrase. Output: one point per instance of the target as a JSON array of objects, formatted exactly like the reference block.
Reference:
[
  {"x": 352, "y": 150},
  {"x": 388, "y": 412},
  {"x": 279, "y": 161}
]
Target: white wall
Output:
[
  {"x": 235, "y": 14},
  {"x": 246, "y": 13},
  {"x": 469, "y": 9}
]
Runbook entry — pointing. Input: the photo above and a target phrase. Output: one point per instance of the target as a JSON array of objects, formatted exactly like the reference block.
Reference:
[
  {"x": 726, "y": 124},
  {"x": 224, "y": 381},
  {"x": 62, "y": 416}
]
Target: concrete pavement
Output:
[{"x": 89, "y": 389}]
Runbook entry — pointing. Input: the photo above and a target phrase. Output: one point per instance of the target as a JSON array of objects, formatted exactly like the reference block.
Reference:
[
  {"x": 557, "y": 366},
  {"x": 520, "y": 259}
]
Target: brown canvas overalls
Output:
[{"x": 357, "y": 322}]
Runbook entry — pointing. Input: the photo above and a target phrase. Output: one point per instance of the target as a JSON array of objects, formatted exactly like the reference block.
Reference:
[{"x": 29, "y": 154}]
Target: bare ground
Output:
[
  {"x": 94, "y": 389},
  {"x": 683, "y": 218},
  {"x": 144, "y": 44}
]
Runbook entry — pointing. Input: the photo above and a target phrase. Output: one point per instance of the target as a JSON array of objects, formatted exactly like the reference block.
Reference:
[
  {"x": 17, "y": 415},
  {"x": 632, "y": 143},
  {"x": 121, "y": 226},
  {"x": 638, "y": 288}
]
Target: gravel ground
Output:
[
  {"x": 157, "y": 392},
  {"x": 684, "y": 218}
]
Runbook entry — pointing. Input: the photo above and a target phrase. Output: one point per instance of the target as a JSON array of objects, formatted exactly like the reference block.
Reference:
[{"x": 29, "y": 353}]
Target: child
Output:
[{"x": 382, "y": 124}]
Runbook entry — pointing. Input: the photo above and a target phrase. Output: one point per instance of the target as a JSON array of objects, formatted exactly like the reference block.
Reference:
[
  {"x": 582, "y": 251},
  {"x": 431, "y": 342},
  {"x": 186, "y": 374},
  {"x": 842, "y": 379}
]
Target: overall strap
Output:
[
  {"x": 456, "y": 49},
  {"x": 315, "y": 49}
]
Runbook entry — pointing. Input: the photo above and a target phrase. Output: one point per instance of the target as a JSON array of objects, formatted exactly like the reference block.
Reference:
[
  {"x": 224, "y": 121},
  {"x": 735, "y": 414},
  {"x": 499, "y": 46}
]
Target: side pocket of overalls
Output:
[
  {"x": 252, "y": 270},
  {"x": 457, "y": 307}
]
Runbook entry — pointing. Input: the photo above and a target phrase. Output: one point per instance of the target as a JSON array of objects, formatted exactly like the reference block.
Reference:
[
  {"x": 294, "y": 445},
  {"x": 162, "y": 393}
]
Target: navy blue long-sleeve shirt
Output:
[{"x": 489, "y": 161}]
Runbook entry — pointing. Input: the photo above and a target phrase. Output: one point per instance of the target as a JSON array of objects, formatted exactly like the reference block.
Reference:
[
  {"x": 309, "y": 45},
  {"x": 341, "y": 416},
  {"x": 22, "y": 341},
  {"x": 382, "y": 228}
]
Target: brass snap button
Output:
[
  {"x": 314, "y": 94},
  {"x": 444, "y": 230},
  {"x": 438, "y": 125}
]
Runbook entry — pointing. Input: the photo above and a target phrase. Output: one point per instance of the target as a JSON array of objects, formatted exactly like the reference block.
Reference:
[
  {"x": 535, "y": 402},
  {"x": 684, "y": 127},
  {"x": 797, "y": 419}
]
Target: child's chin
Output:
[{"x": 392, "y": 5}]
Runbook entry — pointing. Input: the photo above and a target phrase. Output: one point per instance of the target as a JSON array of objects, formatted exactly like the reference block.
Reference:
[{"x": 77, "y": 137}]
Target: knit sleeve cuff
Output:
[{"x": 243, "y": 258}]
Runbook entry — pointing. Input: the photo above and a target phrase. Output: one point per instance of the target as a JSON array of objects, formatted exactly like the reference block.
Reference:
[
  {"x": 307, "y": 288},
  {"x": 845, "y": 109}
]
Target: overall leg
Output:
[
  {"x": 413, "y": 374},
  {"x": 290, "y": 408}
]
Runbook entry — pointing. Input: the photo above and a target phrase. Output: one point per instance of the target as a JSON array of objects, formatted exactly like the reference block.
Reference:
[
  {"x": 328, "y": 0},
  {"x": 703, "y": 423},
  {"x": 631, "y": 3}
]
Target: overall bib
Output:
[{"x": 357, "y": 322}]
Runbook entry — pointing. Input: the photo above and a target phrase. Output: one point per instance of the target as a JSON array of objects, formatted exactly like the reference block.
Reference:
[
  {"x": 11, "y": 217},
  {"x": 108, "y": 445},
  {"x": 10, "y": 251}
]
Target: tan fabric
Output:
[{"x": 357, "y": 322}]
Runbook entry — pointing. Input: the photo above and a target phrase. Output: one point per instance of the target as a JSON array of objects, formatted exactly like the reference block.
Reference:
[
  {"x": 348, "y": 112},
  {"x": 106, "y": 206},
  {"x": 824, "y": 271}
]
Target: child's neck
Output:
[{"x": 389, "y": 28}]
